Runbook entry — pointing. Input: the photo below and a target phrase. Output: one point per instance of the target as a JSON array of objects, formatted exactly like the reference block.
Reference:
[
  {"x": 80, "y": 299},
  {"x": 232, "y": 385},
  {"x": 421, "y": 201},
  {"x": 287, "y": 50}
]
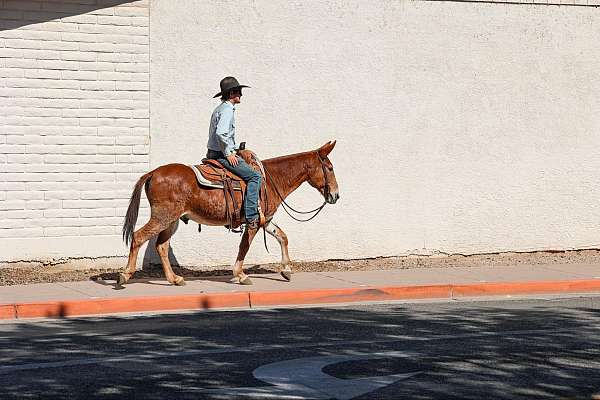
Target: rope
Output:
[{"x": 285, "y": 205}]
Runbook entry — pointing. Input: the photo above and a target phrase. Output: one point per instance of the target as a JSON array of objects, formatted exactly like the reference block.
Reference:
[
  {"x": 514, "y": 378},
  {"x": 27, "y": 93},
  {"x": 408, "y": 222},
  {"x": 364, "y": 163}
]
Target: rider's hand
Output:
[{"x": 233, "y": 160}]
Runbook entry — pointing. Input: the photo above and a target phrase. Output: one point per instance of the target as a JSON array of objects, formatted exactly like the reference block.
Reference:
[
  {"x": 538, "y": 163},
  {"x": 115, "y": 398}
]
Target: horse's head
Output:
[{"x": 321, "y": 176}]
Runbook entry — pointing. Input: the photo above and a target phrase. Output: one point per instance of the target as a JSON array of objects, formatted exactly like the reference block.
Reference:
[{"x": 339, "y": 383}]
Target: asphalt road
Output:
[{"x": 519, "y": 349}]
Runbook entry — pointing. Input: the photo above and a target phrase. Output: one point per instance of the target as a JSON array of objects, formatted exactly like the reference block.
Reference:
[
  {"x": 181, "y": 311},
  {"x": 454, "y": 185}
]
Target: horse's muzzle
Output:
[{"x": 332, "y": 198}]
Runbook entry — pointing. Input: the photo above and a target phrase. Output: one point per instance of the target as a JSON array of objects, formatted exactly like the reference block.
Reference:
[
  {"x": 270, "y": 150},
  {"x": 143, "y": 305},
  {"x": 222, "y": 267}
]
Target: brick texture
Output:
[{"x": 74, "y": 115}]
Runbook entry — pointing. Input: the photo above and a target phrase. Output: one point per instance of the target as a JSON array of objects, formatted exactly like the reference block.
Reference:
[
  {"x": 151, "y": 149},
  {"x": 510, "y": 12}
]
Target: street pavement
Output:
[{"x": 542, "y": 348}]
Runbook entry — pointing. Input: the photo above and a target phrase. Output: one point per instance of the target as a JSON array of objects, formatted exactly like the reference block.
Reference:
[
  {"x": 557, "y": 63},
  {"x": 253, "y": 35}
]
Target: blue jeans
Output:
[{"x": 252, "y": 178}]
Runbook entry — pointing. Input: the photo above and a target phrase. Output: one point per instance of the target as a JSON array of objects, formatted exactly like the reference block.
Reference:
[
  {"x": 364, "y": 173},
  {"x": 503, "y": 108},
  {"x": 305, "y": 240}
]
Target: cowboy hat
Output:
[{"x": 228, "y": 84}]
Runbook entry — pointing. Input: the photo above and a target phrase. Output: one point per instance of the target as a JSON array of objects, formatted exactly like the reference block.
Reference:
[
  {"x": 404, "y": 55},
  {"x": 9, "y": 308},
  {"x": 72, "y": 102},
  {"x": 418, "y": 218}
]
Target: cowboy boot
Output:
[{"x": 253, "y": 225}]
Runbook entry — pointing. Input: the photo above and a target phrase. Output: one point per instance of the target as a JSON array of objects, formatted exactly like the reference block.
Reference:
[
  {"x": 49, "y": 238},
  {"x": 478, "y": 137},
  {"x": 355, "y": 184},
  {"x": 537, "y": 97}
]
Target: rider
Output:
[{"x": 222, "y": 146}]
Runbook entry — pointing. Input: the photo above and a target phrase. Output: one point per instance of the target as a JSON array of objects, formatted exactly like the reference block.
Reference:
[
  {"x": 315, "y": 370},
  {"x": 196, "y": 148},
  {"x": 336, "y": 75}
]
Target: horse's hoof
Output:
[
  {"x": 287, "y": 275},
  {"x": 179, "y": 281},
  {"x": 122, "y": 279},
  {"x": 245, "y": 281}
]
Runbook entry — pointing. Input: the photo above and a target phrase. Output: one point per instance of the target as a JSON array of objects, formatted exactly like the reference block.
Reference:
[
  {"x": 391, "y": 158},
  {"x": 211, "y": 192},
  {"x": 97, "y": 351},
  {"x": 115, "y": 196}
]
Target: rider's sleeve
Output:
[{"x": 224, "y": 132}]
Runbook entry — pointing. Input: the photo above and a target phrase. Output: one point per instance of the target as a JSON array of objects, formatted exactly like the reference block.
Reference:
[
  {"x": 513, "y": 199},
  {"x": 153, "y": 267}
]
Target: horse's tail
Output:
[{"x": 132, "y": 211}]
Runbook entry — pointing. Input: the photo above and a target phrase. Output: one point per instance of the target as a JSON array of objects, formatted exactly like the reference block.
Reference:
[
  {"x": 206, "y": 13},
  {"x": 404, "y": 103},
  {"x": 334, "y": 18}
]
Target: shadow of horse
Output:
[{"x": 152, "y": 271}]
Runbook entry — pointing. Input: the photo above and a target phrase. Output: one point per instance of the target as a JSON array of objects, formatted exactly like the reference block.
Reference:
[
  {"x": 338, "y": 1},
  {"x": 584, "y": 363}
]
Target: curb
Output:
[{"x": 249, "y": 300}]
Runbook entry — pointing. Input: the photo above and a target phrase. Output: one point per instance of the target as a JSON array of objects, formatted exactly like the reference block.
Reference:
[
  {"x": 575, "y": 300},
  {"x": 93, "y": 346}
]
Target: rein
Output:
[{"x": 286, "y": 206}]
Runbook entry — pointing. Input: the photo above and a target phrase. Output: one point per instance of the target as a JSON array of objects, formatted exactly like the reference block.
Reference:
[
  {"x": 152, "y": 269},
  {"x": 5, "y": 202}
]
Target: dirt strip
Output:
[{"x": 21, "y": 273}]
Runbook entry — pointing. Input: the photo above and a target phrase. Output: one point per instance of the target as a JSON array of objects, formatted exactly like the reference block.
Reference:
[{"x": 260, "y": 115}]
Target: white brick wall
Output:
[{"x": 74, "y": 118}]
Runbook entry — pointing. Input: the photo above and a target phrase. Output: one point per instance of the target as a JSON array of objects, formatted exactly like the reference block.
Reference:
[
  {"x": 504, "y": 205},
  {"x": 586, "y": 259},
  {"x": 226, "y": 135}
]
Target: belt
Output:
[{"x": 214, "y": 154}]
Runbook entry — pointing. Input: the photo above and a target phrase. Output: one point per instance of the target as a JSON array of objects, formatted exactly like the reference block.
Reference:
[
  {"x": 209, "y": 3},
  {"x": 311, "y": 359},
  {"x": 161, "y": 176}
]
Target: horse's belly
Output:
[{"x": 204, "y": 220}]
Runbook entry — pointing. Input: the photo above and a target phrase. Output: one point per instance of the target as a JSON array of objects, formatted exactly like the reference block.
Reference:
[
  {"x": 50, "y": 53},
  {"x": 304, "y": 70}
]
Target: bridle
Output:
[
  {"x": 285, "y": 205},
  {"x": 326, "y": 188},
  {"x": 317, "y": 210}
]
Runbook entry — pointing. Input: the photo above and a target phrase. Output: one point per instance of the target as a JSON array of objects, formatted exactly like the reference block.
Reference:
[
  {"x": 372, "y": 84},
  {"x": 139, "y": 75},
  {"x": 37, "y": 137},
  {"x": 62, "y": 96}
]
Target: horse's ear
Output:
[{"x": 326, "y": 149}]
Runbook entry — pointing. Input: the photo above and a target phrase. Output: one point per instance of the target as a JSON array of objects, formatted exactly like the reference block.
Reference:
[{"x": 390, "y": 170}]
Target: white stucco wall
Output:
[{"x": 461, "y": 127}]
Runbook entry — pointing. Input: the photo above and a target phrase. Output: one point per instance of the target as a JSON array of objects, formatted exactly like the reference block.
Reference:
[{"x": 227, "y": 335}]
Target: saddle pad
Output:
[{"x": 204, "y": 182}]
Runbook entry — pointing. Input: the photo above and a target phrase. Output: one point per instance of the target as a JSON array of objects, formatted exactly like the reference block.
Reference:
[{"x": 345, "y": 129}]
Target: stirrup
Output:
[
  {"x": 258, "y": 222},
  {"x": 253, "y": 224}
]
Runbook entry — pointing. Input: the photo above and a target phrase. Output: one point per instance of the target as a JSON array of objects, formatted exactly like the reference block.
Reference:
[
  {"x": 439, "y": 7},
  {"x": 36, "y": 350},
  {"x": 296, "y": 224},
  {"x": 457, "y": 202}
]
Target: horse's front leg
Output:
[
  {"x": 238, "y": 267},
  {"x": 274, "y": 230}
]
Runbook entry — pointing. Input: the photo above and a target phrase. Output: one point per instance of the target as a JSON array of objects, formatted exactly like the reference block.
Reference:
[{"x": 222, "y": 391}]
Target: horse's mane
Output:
[
  {"x": 287, "y": 158},
  {"x": 287, "y": 171}
]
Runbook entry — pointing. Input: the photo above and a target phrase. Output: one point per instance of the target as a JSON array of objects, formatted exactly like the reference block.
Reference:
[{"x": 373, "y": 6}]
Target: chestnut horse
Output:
[{"x": 173, "y": 191}]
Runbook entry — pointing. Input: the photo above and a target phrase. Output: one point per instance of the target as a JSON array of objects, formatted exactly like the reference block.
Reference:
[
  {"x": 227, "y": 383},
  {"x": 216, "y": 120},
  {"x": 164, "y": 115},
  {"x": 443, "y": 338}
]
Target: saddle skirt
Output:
[
  {"x": 208, "y": 176},
  {"x": 211, "y": 173}
]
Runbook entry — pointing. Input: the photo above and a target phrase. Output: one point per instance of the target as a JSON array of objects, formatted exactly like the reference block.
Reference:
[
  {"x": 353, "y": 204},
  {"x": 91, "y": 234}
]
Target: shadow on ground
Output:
[
  {"x": 155, "y": 271},
  {"x": 152, "y": 269},
  {"x": 548, "y": 351}
]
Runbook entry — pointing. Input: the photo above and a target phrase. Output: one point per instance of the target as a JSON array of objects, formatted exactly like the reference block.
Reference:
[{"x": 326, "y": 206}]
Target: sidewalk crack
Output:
[
  {"x": 341, "y": 279},
  {"x": 575, "y": 273},
  {"x": 76, "y": 290}
]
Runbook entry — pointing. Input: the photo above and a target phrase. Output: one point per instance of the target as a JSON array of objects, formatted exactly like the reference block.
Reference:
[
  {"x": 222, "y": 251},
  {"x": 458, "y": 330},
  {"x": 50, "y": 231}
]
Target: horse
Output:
[{"x": 173, "y": 191}]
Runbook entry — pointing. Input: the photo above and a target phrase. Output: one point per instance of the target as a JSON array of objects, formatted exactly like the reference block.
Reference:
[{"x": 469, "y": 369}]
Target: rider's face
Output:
[{"x": 236, "y": 96}]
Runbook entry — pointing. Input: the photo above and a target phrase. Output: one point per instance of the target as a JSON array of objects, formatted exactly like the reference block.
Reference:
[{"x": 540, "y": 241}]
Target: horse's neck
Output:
[{"x": 287, "y": 172}]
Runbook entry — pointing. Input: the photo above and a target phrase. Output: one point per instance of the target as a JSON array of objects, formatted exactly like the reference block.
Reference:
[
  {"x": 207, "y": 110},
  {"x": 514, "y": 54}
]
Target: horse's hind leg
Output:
[
  {"x": 162, "y": 247},
  {"x": 141, "y": 236},
  {"x": 274, "y": 230},
  {"x": 238, "y": 267}
]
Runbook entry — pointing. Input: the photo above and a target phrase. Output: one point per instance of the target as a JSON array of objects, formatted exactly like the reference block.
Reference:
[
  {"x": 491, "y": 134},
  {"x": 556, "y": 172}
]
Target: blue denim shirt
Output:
[{"x": 221, "y": 134}]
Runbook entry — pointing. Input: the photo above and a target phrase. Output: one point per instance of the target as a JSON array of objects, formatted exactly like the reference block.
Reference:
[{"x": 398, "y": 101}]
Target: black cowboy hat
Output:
[{"x": 228, "y": 84}]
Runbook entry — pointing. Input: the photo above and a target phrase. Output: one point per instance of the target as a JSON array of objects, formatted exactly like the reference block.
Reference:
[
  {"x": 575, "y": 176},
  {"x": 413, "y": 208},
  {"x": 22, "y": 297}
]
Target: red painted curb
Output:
[
  {"x": 7, "y": 311},
  {"x": 348, "y": 295},
  {"x": 130, "y": 304},
  {"x": 420, "y": 292},
  {"x": 54, "y": 309},
  {"x": 500, "y": 288}
]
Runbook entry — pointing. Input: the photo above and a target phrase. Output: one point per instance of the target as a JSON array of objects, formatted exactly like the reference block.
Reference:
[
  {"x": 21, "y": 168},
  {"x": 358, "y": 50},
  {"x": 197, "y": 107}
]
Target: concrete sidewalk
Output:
[{"x": 102, "y": 297}]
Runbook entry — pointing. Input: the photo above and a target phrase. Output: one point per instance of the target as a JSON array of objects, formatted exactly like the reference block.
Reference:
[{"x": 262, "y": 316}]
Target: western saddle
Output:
[{"x": 213, "y": 174}]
